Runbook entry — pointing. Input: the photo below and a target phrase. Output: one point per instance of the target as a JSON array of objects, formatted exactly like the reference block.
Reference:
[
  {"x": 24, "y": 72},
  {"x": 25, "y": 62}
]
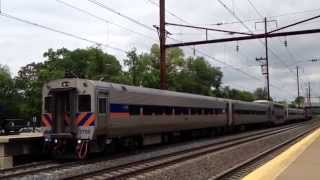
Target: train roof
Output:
[{"x": 145, "y": 90}]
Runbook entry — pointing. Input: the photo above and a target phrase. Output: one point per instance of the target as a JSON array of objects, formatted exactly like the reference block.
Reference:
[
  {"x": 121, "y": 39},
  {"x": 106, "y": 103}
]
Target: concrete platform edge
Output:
[{"x": 272, "y": 169}]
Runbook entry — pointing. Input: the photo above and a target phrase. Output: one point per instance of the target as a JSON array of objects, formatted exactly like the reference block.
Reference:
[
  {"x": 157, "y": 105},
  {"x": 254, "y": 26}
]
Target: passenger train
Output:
[{"x": 83, "y": 116}]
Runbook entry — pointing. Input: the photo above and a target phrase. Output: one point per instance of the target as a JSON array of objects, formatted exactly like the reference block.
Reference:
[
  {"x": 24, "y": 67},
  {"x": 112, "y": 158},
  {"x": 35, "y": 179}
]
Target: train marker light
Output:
[{"x": 65, "y": 84}]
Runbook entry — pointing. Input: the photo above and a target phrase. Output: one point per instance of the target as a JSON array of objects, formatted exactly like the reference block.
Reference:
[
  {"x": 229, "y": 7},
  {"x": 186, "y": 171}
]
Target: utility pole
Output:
[
  {"x": 309, "y": 93},
  {"x": 162, "y": 36},
  {"x": 298, "y": 83},
  {"x": 267, "y": 56},
  {"x": 265, "y": 63}
]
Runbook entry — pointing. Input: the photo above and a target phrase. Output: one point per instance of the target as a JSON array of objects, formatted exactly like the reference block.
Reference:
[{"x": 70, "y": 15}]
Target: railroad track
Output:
[
  {"x": 136, "y": 167},
  {"x": 141, "y": 167},
  {"x": 30, "y": 168},
  {"x": 248, "y": 165}
]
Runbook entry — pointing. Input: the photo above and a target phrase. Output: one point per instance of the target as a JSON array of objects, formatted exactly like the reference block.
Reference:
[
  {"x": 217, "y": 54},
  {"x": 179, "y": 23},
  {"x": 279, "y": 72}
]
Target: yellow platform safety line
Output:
[{"x": 272, "y": 169}]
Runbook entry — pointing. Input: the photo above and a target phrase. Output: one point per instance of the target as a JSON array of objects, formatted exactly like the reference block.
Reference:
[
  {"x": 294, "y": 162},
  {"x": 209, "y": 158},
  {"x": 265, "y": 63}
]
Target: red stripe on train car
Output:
[{"x": 119, "y": 114}]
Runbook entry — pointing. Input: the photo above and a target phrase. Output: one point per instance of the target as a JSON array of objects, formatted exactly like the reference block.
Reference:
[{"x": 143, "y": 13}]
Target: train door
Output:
[
  {"x": 270, "y": 113},
  {"x": 64, "y": 110},
  {"x": 102, "y": 108},
  {"x": 229, "y": 113}
]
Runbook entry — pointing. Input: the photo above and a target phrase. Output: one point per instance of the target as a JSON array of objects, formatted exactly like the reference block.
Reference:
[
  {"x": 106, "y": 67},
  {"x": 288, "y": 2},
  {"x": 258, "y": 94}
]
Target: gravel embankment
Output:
[{"x": 208, "y": 166}]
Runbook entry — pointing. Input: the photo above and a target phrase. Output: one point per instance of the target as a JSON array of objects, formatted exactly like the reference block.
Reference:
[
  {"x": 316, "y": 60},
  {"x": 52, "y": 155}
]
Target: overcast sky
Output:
[{"x": 21, "y": 43}]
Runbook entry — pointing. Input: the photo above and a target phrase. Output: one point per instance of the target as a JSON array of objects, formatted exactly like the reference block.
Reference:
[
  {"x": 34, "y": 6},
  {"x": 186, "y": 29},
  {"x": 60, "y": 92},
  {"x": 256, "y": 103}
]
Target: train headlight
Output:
[
  {"x": 46, "y": 140},
  {"x": 55, "y": 141},
  {"x": 12, "y": 124},
  {"x": 79, "y": 141}
]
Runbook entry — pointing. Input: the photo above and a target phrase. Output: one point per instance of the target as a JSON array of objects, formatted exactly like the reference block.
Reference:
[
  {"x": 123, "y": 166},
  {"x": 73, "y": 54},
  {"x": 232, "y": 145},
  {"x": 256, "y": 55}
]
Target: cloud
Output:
[{"x": 21, "y": 44}]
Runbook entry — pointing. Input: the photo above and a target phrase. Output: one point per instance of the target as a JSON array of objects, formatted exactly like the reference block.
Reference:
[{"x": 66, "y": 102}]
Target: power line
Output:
[
  {"x": 120, "y": 14},
  {"x": 169, "y": 12},
  {"x": 252, "y": 5},
  {"x": 257, "y": 19},
  {"x": 222, "y": 62},
  {"x": 203, "y": 53},
  {"x": 213, "y": 58},
  {"x": 244, "y": 25},
  {"x": 102, "y": 19},
  {"x": 261, "y": 16},
  {"x": 61, "y": 32}
]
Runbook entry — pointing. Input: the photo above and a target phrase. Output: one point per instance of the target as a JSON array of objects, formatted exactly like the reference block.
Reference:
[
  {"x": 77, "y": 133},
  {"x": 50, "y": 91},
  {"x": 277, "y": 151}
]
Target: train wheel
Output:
[{"x": 82, "y": 150}]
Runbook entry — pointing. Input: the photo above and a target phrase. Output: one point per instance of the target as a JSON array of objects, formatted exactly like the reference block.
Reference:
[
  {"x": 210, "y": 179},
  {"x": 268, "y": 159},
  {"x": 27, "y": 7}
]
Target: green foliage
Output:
[
  {"x": 193, "y": 75},
  {"x": 91, "y": 63},
  {"x": 8, "y": 94},
  {"x": 198, "y": 77},
  {"x": 299, "y": 101},
  {"x": 184, "y": 74},
  {"x": 261, "y": 94},
  {"x": 229, "y": 93}
]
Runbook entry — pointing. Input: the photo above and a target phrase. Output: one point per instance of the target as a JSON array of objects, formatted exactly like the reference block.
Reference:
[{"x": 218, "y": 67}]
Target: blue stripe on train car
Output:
[{"x": 119, "y": 108}]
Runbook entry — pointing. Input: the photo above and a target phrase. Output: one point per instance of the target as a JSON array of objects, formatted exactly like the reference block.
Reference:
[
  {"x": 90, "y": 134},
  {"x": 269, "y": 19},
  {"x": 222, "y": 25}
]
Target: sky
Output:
[{"x": 94, "y": 21}]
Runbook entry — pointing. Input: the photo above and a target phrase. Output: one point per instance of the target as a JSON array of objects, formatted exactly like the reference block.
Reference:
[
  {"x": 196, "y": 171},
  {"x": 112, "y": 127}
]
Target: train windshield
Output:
[{"x": 84, "y": 103}]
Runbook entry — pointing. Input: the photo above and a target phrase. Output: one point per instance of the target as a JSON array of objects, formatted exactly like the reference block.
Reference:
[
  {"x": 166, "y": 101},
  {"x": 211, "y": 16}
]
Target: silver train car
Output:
[
  {"x": 295, "y": 114},
  {"x": 82, "y": 116}
]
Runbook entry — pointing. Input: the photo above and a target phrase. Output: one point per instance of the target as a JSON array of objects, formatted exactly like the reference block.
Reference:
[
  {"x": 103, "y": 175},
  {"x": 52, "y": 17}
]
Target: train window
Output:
[
  {"x": 168, "y": 110},
  {"x": 147, "y": 110},
  {"x": 218, "y": 111},
  {"x": 102, "y": 105},
  {"x": 193, "y": 111},
  {"x": 84, "y": 103},
  {"x": 196, "y": 111},
  {"x": 208, "y": 111},
  {"x": 181, "y": 111},
  {"x": 48, "y": 104},
  {"x": 158, "y": 110},
  {"x": 134, "y": 110}
]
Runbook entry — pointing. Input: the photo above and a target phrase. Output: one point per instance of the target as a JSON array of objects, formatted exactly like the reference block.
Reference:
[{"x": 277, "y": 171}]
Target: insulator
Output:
[{"x": 286, "y": 43}]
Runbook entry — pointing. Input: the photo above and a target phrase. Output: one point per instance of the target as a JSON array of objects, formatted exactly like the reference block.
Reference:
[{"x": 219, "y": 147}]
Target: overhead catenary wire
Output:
[
  {"x": 122, "y": 15},
  {"x": 244, "y": 25},
  {"x": 231, "y": 66},
  {"x": 203, "y": 53},
  {"x": 287, "y": 48},
  {"x": 257, "y": 19},
  {"x": 104, "y": 20},
  {"x": 213, "y": 58},
  {"x": 147, "y": 27},
  {"x": 254, "y": 7},
  {"x": 169, "y": 12},
  {"x": 60, "y": 32}
]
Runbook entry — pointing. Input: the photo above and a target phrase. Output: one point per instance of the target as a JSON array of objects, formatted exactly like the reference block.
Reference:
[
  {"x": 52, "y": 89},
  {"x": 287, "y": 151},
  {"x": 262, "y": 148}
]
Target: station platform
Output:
[
  {"x": 16, "y": 145},
  {"x": 300, "y": 161}
]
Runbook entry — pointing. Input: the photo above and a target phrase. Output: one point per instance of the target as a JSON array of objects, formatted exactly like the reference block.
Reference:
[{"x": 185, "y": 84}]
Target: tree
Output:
[
  {"x": 227, "y": 92},
  {"x": 261, "y": 94},
  {"x": 91, "y": 63},
  {"x": 193, "y": 75},
  {"x": 198, "y": 77},
  {"x": 9, "y": 95},
  {"x": 299, "y": 101}
]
